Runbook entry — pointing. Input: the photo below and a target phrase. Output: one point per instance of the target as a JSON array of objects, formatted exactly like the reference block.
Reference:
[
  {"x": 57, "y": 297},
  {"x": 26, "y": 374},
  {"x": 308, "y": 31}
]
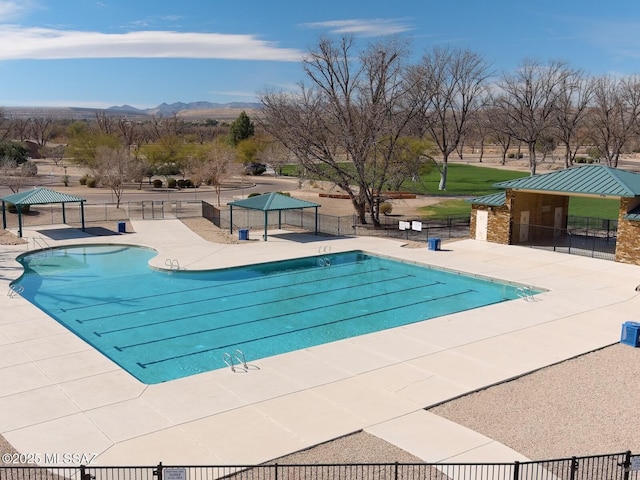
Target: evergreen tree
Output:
[{"x": 241, "y": 129}]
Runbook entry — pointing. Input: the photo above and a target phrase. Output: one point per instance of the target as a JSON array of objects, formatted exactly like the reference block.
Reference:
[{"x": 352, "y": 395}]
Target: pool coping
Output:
[{"x": 380, "y": 382}]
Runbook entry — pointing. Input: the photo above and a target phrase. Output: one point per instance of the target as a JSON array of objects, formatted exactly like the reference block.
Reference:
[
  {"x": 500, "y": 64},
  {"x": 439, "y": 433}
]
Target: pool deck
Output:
[{"x": 59, "y": 395}]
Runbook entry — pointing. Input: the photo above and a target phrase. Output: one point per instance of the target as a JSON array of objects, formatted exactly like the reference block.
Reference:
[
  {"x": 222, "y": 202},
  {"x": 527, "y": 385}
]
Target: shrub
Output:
[
  {"x": 29, "y": 168},
  {"x": 13, "y": 209},
  {"x": 157, "y": 183},
  {"x": 254, "y": 194},
  {"x": 386, "y": 208},
  {"x": 515, "y": 155},
  {"x": 92, "y": 182},
  {"x": 172, "y": 183},
  {"x": 83, "y": 180}
]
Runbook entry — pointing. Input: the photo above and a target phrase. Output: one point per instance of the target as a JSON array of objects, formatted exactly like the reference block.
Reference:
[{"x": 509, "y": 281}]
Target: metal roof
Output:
[
  {"x": 40, "y": 196},
  {"x": 272, "y": 201},
  {"x": 587, "y": 179},
  {"x": 634, "y": 214},
  {"x": 493, "y": 200}
]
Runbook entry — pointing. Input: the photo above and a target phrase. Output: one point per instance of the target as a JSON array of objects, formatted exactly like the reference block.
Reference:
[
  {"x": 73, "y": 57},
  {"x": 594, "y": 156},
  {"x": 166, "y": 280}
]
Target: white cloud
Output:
[
  {"x": 364, "y": 27},
  {"x": 11, "y": 9},
  {"x": 44, "y": 43}
]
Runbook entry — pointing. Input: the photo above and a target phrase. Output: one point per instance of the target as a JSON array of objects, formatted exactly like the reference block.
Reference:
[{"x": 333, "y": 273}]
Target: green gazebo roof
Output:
[
  {"x": 596, "y": 180},
  {"x": 40, "y": 196},
  {"x": 272, "y": 201}
]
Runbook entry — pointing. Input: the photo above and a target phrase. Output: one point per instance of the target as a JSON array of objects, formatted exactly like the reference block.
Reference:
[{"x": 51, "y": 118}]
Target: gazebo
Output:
[
  {"x": 539, "y": 204},
  {"x": 38, "y": 196},
  {"x": 270, "y": 202}
]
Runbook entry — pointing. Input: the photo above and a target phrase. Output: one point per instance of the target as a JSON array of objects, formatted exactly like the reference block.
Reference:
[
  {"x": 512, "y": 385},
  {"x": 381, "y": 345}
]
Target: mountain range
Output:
[
  {"x": 165, "y": 109},
  {"x": 193, "y": 110}
]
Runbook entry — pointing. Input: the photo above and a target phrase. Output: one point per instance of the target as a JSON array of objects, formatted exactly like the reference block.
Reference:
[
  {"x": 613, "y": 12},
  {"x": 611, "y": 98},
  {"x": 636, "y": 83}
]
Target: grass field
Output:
[{"x": 471, "y": 181}]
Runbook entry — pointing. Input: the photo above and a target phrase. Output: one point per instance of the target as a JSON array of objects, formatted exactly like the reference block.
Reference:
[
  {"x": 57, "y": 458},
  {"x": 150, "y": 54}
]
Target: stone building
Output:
[{"x": 535, "y": 209}]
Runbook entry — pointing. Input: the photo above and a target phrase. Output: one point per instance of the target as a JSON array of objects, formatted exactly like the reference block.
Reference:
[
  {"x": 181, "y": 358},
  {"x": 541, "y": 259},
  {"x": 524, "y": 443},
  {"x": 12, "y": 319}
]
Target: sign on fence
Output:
[{"x": 174, "y": 474}]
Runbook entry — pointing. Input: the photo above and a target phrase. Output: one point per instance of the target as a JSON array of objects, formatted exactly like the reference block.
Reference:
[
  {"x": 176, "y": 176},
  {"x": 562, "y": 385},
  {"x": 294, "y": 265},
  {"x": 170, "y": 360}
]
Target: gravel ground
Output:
[{"x": 579, "y": 407}]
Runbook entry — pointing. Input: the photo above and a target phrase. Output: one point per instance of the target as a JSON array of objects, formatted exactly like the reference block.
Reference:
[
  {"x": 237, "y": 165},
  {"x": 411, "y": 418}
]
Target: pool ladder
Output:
[
  {"x": 526, "y": 294},
  {"x": 324, "y": 262},
  {"x": 40, "y": 243},
  {"x": 172, "y": 263},
  {"x": 15, "y": 290},
  {"x": 238, "y": 356}
]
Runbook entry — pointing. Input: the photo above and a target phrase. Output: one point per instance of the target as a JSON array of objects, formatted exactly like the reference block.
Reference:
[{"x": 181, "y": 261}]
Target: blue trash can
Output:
[
  {"x": 122, "y": 227},
  {"x": 630, "y": 334},
  {"x": 433, "y": 243},
  {"x": 243, "y": 234}
]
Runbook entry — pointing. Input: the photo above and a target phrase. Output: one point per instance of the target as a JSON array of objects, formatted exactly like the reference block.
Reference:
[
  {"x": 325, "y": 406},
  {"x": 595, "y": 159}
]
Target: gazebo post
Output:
[
  {"x": 81, "y": 213},
  {"x": 266, "y": 219},
  {"x": 19, "y": 208},
  {"x": 4, "y": 217},
  {"x": 231, "y": 219},
  {"x": 64, "y": 214},
  {"x": 279, "y": 219},
  {"x": 316, "y": 232}
]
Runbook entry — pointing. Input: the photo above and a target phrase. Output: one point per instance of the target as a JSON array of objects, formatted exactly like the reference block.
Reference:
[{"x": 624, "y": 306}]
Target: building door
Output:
[
  {"x": 524, "y": 226},
  {"x": 557, "y": 222},
  {"x": 482, "y": 221}
]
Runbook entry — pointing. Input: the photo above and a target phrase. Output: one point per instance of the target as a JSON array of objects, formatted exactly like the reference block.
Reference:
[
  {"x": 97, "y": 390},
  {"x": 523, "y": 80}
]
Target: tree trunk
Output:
[
  {"x": 443, "y": 174},
  {"x": 532, "y": 158}
]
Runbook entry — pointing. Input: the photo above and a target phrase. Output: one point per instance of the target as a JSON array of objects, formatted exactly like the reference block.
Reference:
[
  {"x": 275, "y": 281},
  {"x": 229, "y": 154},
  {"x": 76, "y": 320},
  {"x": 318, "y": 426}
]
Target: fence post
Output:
[
  {"x": 627, "y": 465},
  {"x": 276, "y": 471},
  {"x": 83, "y": 473},
  {"x": 574, "y": 468},
  {"x": 395, "y": 472},
  {"x": 516, "y": 470},
  {"x": 158, "y": 471}
]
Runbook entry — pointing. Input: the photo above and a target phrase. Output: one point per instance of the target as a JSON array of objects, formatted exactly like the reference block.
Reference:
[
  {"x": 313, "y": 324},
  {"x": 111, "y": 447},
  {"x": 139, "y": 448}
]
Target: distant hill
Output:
[
  {"x": 191, "y": 110},
  {"x": 176, "y": 108}
]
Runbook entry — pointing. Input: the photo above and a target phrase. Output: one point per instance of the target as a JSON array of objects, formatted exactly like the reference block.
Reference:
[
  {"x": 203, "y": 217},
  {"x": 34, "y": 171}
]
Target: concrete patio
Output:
[{"x": 57, "y": 394}]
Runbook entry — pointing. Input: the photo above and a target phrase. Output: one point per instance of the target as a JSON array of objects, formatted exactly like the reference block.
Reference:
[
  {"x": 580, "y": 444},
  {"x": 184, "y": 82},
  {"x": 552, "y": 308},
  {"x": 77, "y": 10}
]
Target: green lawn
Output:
[{"x": 474, "y": 181}]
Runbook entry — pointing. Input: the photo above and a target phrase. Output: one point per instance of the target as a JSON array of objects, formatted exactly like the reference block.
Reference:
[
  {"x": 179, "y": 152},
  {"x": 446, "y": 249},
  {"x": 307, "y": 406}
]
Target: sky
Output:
[{"x": 97, "y": 54}]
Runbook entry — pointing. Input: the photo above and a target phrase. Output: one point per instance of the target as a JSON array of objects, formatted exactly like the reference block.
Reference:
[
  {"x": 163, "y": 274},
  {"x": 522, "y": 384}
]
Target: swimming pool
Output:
[{"x": 161, "y": 325}]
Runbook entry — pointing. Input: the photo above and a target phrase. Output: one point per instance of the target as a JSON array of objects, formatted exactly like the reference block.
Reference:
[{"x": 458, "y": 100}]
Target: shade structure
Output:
[
  {"x": 38, "y": 196},
  {"x": 270, "y": 202}
]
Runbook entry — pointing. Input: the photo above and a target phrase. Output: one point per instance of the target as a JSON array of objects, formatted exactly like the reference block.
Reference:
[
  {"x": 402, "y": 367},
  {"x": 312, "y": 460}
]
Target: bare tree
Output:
[
  {"x": 20, "y": 129},
  {"x": 114, "y": 166},
  {"x": 106, "y": 123},
  {"x": 41, "y": 130},
  {"x": 345, "y": 126},
  {"x": 213, "y": 166},
  {"x": 574, "y": 97},
  {"x": 14, "y": 174},
  {"x": 127, "y": 130},
  {"x": 5, "y": 126},
  {"x": 614, "y": 116},
  {"x": 451, "y": 86},
  {"x": 54, "y": 153},
  {"x": 528, "y": 101}
]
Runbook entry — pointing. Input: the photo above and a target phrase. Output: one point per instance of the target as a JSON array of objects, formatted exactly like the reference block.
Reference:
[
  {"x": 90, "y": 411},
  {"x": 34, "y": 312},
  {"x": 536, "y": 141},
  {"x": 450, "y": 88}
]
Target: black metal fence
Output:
[
  {"x": 452, "y": 227},
  {"x": 52, "y": 214},
  {"x": 418, "y": 230},
  {"x": 616, "y": 466},
  {"x": 590, "y": 237}
]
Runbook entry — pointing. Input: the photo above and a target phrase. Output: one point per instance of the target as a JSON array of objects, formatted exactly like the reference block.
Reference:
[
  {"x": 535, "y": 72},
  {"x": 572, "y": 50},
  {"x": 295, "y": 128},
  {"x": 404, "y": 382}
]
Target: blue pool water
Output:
[{"x": 162, "y": 325}]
